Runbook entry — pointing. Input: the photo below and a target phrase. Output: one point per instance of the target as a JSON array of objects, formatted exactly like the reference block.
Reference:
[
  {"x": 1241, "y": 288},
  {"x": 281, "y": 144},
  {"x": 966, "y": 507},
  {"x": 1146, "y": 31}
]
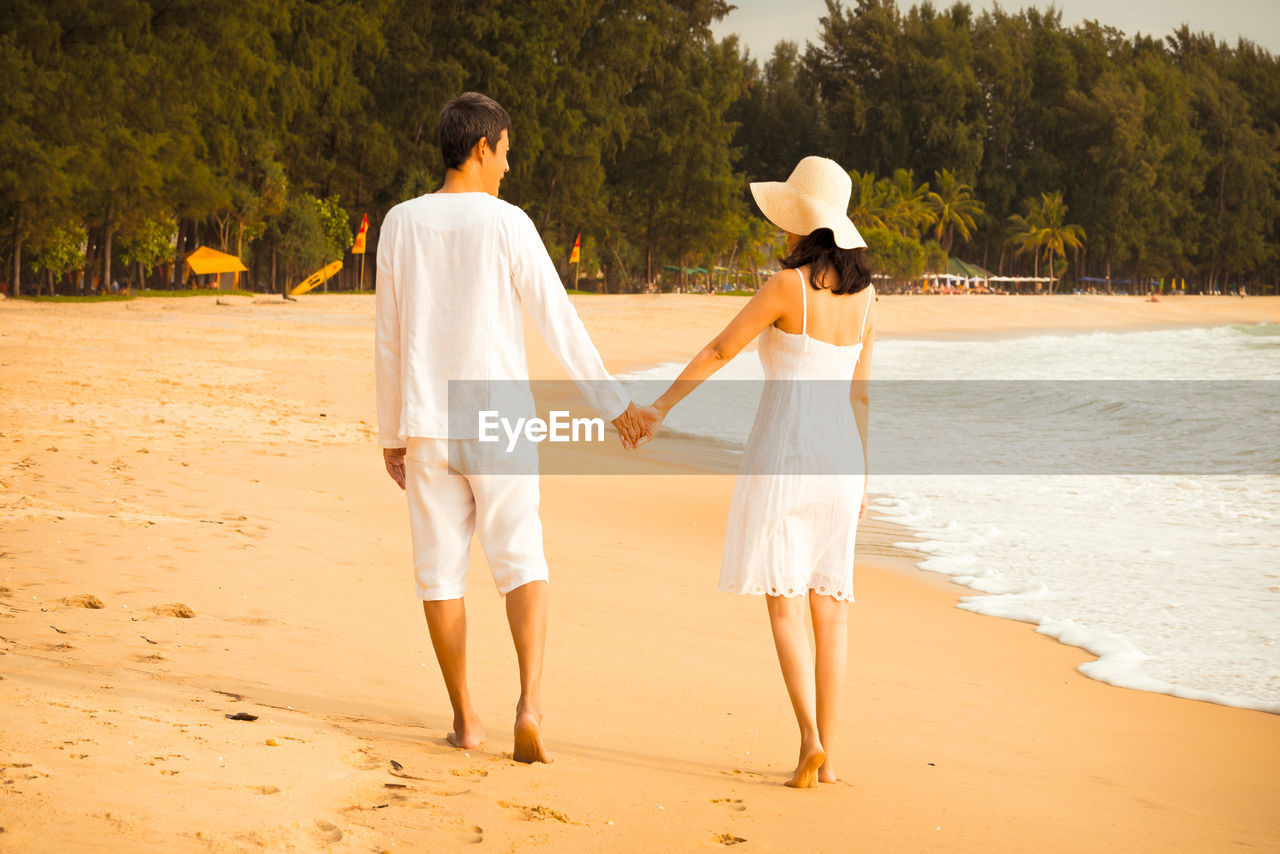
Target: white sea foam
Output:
[{"x": 1172, "y": 581}]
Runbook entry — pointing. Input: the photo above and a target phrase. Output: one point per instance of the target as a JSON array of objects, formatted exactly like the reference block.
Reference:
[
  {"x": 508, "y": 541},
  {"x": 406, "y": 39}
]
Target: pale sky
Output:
[{"x": 762, "y": 23}]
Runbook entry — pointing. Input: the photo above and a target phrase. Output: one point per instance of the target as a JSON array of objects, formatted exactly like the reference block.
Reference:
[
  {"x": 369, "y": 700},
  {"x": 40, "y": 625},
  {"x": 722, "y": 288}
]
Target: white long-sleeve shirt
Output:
[{"x": 453, "y": 272}]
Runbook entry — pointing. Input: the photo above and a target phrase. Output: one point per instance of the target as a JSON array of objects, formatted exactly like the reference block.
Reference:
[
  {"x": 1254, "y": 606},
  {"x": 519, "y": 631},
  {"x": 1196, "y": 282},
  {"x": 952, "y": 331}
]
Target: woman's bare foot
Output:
[
  {"x": 811, "y": 758},
  {"x": 528, "y": 746},
  {"x": 827, "y": 774},
  {"x": 466, "y": 735}
]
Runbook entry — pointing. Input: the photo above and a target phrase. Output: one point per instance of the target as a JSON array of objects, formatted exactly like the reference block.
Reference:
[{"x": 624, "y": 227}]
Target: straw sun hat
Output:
[{"x": 815, "y": 196}]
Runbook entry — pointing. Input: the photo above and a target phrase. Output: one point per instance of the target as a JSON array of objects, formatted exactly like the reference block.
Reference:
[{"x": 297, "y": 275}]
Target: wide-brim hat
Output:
[{"x": 815, "y": 196}]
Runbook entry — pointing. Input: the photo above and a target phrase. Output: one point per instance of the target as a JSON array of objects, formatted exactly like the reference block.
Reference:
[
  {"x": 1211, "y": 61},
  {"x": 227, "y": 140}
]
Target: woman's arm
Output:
[
  {"x": 860, "y": 394},
  {"x": 769, "y": 303}
]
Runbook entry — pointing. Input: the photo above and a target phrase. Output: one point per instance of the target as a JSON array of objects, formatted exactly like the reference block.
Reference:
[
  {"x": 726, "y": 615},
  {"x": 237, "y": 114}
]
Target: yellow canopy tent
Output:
[{"x": 205, "y": 261}]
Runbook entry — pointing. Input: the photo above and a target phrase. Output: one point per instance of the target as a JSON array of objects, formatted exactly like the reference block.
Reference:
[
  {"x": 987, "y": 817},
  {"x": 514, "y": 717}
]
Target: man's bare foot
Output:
[
  {"x": 466, "y": 735},
  {"x": 811, "y": 759},
  {"x": 529, "y": 747}
]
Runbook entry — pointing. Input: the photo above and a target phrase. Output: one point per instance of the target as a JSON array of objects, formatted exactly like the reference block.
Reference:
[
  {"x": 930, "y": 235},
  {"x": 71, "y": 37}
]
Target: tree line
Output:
[{"x": 132, "y": 132}]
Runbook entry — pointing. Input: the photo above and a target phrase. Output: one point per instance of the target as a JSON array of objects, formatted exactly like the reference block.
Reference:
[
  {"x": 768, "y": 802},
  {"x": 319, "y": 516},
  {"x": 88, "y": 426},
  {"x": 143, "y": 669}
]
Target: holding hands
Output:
[
  {"x": 637, "y": 425},
  {"x": 630, "y": 427},
  {"x": 652, "y": 417}
]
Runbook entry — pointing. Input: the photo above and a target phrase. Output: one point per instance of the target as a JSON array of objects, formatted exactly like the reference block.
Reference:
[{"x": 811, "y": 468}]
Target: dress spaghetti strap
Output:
[{"x": 863, "y": 335}]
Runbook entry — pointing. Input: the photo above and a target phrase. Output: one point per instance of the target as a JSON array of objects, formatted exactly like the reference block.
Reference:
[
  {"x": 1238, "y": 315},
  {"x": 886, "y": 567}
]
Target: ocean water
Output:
[{"x": 1172, "y": 581}]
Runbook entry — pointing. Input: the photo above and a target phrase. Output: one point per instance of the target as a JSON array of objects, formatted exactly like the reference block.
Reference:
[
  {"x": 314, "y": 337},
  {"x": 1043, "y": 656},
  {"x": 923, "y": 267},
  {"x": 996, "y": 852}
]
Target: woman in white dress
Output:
[{"x": 801, "y": 489}]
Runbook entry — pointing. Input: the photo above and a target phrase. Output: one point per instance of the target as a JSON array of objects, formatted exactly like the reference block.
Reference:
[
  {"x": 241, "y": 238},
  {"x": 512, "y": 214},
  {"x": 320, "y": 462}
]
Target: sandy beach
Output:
[{"x": 195, "y": 523}]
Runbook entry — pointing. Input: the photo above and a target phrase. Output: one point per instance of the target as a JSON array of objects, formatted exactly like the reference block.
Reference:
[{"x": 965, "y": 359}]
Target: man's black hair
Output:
[{"x": 464, "y": 121}]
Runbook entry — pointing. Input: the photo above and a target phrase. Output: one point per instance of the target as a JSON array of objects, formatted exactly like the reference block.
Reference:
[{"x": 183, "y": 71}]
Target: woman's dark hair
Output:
[
  {"x": 463, "y": 122},
  {"x": 850, "y": 268}
]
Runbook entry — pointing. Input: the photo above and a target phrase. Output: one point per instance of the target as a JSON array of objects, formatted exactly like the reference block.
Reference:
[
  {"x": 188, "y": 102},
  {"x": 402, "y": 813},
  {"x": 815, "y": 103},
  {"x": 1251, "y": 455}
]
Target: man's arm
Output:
[
  {"x": 388, "y": 376},
  {"x": 541, "y": 292}
]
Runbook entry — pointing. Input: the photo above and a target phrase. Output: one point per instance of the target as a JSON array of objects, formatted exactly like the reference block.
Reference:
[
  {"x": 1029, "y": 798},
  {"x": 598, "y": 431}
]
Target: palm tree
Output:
[
  {"x": 1025, "y": 235},
  {"x": 866, "y": 207},
  {"x": 1042, "y": 231},
  {"x": 954, "y": 208},
  {"x": 908, "y": 212},
  {"x": 1058, "y": 236}
]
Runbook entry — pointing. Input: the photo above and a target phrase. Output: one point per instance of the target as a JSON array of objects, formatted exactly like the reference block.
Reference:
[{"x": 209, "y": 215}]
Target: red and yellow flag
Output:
[
  {"x": 358, "y": 248},
  {"x": 577, "y": 249}
]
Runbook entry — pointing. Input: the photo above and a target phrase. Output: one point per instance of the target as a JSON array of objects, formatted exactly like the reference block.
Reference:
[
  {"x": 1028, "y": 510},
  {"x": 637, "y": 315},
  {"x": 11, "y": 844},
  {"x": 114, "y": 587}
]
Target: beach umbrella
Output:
[{"x": 205, "y": 261}]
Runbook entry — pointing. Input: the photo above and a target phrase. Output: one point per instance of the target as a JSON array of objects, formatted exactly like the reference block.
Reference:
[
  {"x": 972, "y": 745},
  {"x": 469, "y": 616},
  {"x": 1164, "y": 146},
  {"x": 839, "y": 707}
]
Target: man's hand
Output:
[
  {"x": 394, "y": 459},
  {"x": 631, "y": 427}
]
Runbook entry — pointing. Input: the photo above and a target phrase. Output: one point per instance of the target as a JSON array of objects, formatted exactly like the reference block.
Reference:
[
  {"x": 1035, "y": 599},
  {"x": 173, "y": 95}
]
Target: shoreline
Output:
[{"x": 215, "y": 457}]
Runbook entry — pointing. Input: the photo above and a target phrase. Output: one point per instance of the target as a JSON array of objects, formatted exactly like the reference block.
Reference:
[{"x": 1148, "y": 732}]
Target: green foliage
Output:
[
  {"x": 779, "y": 116},
  {"x": 867, "y": 207},
  {"x": 905, "y": 204},
  {"x": 314, "y": 233},
  {"x": 150, "y": 244},
  {"x": 1043, "y": 232},
  {"x": 1168, "y": 153},
  {"x": 634, "y": 126},
  {"x": 336, "y": 227},
  {"x": 955, "y": 210},
  {"x": 417, "y": 182},
  {"x": 58, "y": 249},
  {"x": 935, "y": 257},
  {"x": 894, "y": 255},
  {"x": 915, "y": 216}
]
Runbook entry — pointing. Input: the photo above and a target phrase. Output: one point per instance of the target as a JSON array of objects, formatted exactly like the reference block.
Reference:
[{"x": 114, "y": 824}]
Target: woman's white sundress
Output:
[{"x": 794, "y": 515}]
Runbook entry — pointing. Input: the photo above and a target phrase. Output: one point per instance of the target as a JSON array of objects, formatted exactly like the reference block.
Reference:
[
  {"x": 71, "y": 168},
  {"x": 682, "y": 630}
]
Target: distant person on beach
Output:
[
  {"x": 455, "y": 268},
  {"x": 801, "y": 487}
]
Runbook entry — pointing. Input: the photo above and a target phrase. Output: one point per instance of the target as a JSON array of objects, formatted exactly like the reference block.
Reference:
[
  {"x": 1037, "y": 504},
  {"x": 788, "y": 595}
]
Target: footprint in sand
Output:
[
  {"x": 84, "y": 600},
  {"x": 538, "y": 812},
  {"x": 174, "y": 609},
  {"x": 734, "y": 804},
  {"x": 254, "y": 621},
  {"x": 328, "y": 832},
  {"x": 738, "y": 772},
  {"x": 442, "y": 793},
  {"x": 362, "y": 761},
  {"x": 22, "y": 771},
  {"x": 271, "y": 790},
  {"x": 474, "y": 835},
  {"x": 470, "y": 772},
  {"x": 728, "y": 839}
]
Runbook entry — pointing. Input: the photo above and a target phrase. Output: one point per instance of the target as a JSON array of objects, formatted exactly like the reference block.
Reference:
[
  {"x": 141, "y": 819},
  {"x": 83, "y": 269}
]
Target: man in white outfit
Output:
[{"x": 455, "y": 269}]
